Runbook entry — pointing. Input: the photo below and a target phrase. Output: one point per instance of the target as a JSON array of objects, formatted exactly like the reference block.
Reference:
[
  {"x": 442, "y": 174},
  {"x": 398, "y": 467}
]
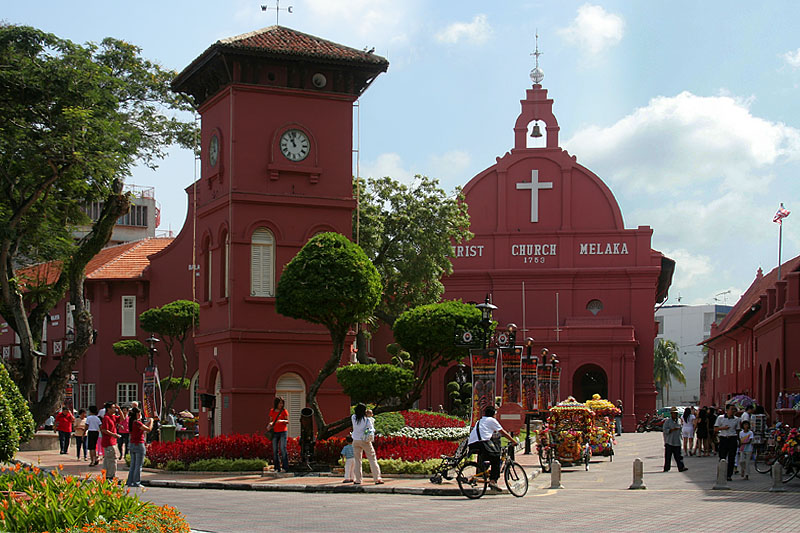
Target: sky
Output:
[{"x": 689, "y": 111}]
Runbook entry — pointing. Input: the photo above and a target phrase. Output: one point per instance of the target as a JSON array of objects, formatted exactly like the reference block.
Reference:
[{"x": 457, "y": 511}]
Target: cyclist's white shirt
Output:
[{"x": 488, "y": 427}]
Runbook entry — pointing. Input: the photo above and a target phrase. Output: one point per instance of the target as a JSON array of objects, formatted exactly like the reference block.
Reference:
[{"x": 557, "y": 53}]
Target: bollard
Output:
[
  {"x": 777, "y": 474},
  {"x": 722, "y": 476},
  {"x": 555, "y": 476},
  {"x": 638, "y": 475}
]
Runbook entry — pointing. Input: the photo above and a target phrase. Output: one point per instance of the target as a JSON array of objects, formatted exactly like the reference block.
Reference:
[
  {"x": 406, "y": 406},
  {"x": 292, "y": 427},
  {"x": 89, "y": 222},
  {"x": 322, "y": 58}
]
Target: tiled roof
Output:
[
  {"x": 752, "y": 296},
  {"x": 123, "y": 261},
  {"x": 281, "y": 40}
]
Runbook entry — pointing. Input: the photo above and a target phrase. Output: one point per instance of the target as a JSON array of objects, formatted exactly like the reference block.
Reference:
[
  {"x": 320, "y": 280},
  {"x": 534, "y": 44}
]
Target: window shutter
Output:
[
  {"x": 292, "y": 389},
  {"x": 261, "y": 263},
  {"x": 129, "y": 316}
]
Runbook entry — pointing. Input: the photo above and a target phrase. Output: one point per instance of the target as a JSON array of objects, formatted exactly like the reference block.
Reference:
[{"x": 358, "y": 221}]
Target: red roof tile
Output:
[
  {"x": 752, "y": 296},
  {"x": 285, "y": 41},
  {"x": 123, "y": 261}
]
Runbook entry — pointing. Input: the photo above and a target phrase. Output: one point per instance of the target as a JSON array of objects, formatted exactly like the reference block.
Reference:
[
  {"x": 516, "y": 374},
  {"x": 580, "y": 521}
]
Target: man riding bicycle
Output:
[{"x": 480, "y": 442}]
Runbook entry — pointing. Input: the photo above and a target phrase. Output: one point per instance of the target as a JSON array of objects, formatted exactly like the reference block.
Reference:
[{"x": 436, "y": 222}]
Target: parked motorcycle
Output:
[{"x": 650, "y": 423}]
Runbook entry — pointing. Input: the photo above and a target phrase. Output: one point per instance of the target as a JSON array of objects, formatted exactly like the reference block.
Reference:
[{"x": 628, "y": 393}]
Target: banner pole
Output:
[{"x": 780, "y": 245}]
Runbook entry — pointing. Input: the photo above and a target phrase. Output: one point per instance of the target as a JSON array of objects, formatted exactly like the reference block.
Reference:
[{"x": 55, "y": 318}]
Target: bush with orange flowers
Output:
[{"x": 56, "y": 503}]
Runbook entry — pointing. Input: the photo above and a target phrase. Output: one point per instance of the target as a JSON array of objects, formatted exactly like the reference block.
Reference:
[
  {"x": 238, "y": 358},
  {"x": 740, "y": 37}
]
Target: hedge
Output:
[{"x": 23, "y": 419}]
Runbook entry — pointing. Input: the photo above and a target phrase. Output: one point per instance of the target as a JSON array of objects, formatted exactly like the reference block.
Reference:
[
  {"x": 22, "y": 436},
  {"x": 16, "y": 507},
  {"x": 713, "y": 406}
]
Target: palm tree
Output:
[{"x": 666, "y": 367}]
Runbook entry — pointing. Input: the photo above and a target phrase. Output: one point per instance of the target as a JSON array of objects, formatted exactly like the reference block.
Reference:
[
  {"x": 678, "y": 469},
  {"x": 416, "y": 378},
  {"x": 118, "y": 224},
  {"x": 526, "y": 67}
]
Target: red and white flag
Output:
[{"x": 781, "y": 214}]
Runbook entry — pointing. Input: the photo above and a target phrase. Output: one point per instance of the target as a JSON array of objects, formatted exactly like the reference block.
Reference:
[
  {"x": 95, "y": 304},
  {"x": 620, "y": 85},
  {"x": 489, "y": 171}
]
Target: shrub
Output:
[
  {"x": 398, "y": 466},
  {"x": 228, "y": 465},
  {"x": 432, "y": 433},
  {"x": 78, "y": 504},
  {"x": 388, "y": 423},
  {"x": 175, "y": 466},
  {"x": 23, "y": 419},
  {"x": 409, "y": 449},
  {"x": 9, "y": 438},
  {"x": 374, "y": 383}
]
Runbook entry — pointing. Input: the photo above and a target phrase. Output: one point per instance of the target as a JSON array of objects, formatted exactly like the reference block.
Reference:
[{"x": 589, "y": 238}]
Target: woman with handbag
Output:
[
  {"x": 480, "y": 441},
  {"x": 362, "y": 445},
  {"x": 278, "y": 431}
]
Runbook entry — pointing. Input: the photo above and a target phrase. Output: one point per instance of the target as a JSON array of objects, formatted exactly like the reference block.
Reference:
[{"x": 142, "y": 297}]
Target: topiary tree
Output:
[
  {"x": 9, "y": 438},
  {"x": 132, "y": 348},
  {"x": 375, "y": 383},
  {"x": 22, "y": 417},
  {"x": 329, "y": 282}
]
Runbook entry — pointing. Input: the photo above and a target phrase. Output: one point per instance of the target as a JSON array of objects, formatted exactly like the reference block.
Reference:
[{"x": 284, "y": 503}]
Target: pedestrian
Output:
[
  {"x": 687, "y": 430},
  {"x": 748, "y": 412},
  {"x": 745, "y": 449},
  {"x": 138, "y": 431},
  {"x": 672, "y": 441},
  {"x": 49, "y": 423},
  {"x": 727, "y": 430},
  {"x": 124, "y": 433},
  {"x": 93, "y": 424},
  {"x": 711, "y": 420},
  {"x": 349, "y": 461},
  {"x": 279, "y": 425},
  {"x": 79, "y": 431},
  {"x": 702, "y": 445},
  {"x": 361, "y": 429},
  {"x": 618, "y": 419},
  {"x": 63, "y": 422},
  {"x": 108, "y": 429}
]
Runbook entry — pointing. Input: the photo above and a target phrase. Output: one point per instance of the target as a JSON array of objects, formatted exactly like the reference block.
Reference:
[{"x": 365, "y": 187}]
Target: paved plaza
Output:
[{"x": 597, "y": 500}]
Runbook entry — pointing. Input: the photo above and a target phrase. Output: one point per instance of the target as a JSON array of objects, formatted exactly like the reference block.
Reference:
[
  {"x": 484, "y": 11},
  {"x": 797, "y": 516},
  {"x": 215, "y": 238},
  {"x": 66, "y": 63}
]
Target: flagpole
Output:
[{"x": 780, "y": 244}]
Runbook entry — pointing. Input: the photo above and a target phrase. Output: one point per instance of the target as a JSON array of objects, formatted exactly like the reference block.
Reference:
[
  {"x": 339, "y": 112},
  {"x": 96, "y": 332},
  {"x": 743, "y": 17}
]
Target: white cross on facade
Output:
[{"x": 534, "y": 187}]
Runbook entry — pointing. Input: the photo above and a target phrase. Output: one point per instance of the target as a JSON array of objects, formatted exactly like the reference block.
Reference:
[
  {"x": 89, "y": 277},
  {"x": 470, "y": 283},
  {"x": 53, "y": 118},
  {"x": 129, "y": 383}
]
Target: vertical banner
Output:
[
  {"x": 529, "y": 387},
  {"x": 484, "y": 370},
  {"x": 555, "y": 385},
  {"x": 543, "y": 394},
  {"x": 510, "y": 361},
  {"x": 151, "y": 393}
]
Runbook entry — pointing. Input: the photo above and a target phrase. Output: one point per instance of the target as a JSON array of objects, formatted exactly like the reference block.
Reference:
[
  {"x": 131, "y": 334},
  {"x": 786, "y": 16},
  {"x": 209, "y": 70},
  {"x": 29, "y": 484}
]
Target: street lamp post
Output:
[
  {"x": 486, "y": 309},
  {"x": 152, "y": 351}
]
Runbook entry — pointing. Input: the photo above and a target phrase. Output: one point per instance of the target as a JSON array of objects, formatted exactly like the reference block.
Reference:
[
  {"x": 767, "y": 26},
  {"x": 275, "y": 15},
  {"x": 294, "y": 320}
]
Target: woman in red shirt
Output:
[
  {"x": 138, "y": 432},
  {"x": 279, "y": 424},
  {"x": 64, "y": 421}
]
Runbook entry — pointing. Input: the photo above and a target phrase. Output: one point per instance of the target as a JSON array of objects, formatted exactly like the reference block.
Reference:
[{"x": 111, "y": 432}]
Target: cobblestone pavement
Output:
[{"x": 596, "y": 500}]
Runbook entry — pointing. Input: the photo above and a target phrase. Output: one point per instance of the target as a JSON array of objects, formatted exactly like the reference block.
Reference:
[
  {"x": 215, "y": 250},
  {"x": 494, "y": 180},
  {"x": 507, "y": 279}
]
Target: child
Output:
[
  {"x": 349, "y": 460},
  {"x": 370, "y": 431},
  {"x": 745, "y": 449}
]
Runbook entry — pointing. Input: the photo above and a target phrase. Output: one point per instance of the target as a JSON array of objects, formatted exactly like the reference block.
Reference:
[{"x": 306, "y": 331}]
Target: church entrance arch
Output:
[
  {"x": 588, "y": 380},
  {"x": 217, "y": 405}
]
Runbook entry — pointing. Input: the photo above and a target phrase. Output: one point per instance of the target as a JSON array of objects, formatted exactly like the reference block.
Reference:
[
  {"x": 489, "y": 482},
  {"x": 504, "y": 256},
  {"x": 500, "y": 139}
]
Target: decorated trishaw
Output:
[
  {"x": 601, "y": 439},
  {"x": 567, "y": 435}
]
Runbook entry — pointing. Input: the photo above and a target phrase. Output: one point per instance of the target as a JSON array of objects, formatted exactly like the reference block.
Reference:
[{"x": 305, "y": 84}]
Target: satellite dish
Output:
[{"x": 319, "y": 80}]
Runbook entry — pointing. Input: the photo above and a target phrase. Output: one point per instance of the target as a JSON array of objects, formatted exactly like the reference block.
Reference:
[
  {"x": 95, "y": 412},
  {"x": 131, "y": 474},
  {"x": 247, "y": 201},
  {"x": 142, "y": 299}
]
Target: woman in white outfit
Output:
[
  {"x": 362, "y": 426},
  {"x": 687, "y": 430}
]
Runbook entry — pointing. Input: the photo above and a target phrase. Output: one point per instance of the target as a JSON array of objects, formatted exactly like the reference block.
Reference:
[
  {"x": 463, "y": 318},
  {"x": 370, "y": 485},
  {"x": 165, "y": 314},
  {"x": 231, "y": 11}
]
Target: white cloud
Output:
[
  {"x": 450, "y": 166},
  {"x": 675, "y": 143},
  {"x": 388, "y": 164},
  {"x": 792, "y": 58},
  {"x": 594, "y": 29},
  {"x": 476, "y": 32},
  {"x": 688, "y": 266},
  {"x": 370, "y": 22}
]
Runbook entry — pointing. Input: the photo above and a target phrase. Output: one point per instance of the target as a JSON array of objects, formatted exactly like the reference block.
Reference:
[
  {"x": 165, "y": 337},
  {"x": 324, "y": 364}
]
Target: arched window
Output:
[
  {"x": 224, "y": 265},
  {"x": 292, "y": 389},
  {"x": 194, "y": 396},
  {"x": 262, "y": 260}
]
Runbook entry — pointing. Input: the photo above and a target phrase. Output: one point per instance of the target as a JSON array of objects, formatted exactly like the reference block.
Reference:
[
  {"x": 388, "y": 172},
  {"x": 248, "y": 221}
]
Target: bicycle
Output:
[
  {"x": 768, "y": 452},
  {"x": 473, "y": 477}
]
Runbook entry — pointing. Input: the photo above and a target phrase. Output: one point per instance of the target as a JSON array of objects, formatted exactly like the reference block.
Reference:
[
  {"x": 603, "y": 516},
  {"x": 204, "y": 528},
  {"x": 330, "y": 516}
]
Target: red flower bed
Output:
[
  {"x": 427, "y": 419},
  {"x": 409, "y": 449},
  {"x": 258, "y": 447}
]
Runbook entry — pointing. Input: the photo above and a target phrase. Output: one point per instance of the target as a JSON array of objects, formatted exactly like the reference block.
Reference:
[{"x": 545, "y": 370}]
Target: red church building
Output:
[{"x": 550, "y": 245}]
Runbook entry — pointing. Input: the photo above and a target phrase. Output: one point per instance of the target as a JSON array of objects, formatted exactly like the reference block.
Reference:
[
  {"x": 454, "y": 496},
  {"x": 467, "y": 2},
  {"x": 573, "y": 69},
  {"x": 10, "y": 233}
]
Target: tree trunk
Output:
[
  {"x": 325, "y": 372},
  {"x": 361, "y": 346}
]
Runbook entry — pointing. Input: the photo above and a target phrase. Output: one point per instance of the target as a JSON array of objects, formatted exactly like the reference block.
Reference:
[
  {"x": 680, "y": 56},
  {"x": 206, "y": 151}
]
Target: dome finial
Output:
[{"x": 537, "y": 74}]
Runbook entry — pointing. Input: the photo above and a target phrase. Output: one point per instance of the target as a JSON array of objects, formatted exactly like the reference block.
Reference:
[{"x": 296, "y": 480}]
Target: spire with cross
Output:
[
  {"x": 537, "y": 74},
  {"x": 277, "y": 9}
]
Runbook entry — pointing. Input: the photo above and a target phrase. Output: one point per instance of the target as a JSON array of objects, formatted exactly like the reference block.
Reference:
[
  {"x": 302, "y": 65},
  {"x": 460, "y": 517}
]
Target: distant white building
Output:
[
  {"x": 139, "y": 223},
  {"x": 687, "y": 325}
]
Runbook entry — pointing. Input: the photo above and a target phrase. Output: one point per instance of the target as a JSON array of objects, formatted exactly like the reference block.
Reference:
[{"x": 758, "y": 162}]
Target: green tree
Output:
[
  {"x": 132, "y": 348},
  {"x": 666, "y": 367},
  {"x": 374, "y": 384},
  {"x": 9, "y": 438},
  {"x": 19, "y": 407},
  {"x": 173, "y": 322},
  {"x": 330, "y": 282},
  {"x": 408, "y": 232},
  {"x": 74, "y": 119},
  {"x": 426, "y": 332}
]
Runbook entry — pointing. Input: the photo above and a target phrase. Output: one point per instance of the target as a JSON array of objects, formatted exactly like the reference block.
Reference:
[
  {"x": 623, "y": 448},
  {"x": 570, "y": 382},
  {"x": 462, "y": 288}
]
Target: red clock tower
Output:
[{"x": 276, "y": 107}]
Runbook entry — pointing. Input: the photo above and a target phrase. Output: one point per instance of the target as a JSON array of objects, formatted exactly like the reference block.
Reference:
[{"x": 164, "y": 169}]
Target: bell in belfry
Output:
[{"x": 536, "y": 133}]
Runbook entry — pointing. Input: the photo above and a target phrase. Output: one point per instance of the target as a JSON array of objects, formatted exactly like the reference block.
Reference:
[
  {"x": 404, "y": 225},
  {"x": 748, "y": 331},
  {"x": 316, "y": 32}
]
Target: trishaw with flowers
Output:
[
  {"x": 567, "y": 435},
  {"x": 601, "y": 439}
]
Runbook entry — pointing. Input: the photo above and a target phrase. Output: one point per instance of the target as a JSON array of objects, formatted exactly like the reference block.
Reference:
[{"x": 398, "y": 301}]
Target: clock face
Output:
[
  {"x": 213, "y": 150},
  {"x": 295, "y": 145}
]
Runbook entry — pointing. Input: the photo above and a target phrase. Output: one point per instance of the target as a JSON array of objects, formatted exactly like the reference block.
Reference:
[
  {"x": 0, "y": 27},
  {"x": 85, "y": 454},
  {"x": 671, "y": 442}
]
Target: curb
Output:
[{"x": 299, "y": 487}]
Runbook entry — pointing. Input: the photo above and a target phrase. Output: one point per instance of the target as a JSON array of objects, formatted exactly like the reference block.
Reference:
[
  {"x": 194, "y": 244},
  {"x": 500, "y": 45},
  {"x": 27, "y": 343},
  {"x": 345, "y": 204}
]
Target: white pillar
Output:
[
  {"x": 555, "y": 476},
  {"x": 638, "y": 475},
  {"x": 722, "y": 476}
]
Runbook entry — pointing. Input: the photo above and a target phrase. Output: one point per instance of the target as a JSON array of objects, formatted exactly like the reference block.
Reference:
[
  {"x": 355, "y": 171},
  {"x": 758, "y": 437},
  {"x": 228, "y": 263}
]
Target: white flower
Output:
[{"x": 449, "y": 433}]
